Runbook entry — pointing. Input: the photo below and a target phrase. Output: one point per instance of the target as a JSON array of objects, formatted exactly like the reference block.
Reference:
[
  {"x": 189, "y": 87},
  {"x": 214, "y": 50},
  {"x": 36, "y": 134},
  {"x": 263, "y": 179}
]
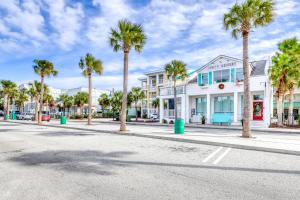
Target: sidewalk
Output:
[{"x": 287, "y": 143}]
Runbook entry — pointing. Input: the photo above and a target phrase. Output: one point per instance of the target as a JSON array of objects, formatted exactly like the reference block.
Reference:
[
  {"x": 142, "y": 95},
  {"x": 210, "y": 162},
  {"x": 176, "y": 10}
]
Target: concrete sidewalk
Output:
[{"x": 287, "y": 143}]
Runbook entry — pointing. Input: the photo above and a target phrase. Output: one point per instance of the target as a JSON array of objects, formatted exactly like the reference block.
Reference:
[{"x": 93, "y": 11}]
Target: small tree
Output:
[
  {"x": 155, "y": 103},
  {"x": 176, "y": 69},
  {"x": 90, "y": 65},
  {"x": 9, "y": 89},
  {"x": 80, "y": 99},
  {"x": 104, "y": 101},
  {"x": 21, "y": 99},
  {"x": 116, "y": 102},
  {"x": 137, "y": 94}
]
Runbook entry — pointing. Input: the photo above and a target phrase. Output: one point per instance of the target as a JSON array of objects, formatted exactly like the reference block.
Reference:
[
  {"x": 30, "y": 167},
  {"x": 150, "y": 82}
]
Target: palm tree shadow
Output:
[{"x": 95, "y": 162}]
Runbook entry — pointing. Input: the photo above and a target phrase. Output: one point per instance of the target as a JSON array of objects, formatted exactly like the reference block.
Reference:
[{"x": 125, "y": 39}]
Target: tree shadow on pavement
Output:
[
  {"x": 95, "y": 162},
  {"x": 57, "y": 134}
]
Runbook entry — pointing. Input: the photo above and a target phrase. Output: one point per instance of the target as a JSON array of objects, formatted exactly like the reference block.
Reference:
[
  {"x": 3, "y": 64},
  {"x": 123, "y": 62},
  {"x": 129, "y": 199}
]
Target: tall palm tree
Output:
[
  {"x": 104, "y": 101},
  {"x": 90, "y": 65},
  {"x": 125, "y": 37},
  {"x": 43, "y": 68},
  {"x": 241, "y": 19},
  {"x": 9, "y": 90},
  {"x": 175, "y": 70},
  {"x": 137, "y": 94},
  {"x": 80, "y": 99}
]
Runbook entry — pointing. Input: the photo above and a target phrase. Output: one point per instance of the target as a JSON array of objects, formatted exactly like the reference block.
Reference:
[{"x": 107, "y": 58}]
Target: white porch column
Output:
[
  {"x": 187, "y": 109},
  {"x": 183, "y": 107},
  {"x": 235, "y": 107},
  {"x": 208, "y": 108},
  {"x": 161, "y": 109}
]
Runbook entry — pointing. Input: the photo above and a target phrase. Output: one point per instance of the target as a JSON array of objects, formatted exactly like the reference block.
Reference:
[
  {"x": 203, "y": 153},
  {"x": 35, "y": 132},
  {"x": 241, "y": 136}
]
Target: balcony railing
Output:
[{"x": 169, "y": 90}]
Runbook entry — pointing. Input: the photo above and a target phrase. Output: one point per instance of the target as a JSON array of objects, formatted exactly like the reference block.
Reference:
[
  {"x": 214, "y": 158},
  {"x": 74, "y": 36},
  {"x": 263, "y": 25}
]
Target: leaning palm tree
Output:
[
  {"x": 9, "y": 88},
  {"x": 242, "y": 18},
  {"x": 175, "y": 70},
  {"x": 90, "y": 65},
  {"x": 137, "y": 94},
  {"x": 44, "y": 68},
  {"x": 125, "y": 37}
]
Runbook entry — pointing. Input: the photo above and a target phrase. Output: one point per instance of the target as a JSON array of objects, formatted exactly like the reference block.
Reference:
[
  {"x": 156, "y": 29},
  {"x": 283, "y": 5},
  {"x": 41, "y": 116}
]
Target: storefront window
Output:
[
  {"x": 223, "y": 104},
  {"x": 239, "y": 76},
  {"x": 201, "y": 105},
  {"x": 221, "y": 76}
]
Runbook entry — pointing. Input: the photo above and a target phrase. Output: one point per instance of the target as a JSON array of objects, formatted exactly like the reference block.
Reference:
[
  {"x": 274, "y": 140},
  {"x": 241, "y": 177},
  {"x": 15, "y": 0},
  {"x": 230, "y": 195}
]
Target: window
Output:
[
  {"x": 239, "y": 76},
  {"x": 204, "y": 79},
  {"x": 257, "y": 97},
  {"x": 223, "y": 104},
  {"x": 221, "y": 76},
  {"x": 201, "y": 105}
]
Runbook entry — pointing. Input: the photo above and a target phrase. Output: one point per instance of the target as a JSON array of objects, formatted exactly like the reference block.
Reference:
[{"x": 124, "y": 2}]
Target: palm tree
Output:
[
  {"x": 9, "y": 89},
  {"x": 21, "y": 99},
  {"x": 175, "y": 70},
  {"x": 155, "y": 103},
  {"x": 80, "y": 99},
  {"x": 116, "y": 102},
  {"x": 44, "y": 68},
  {"x": 104, "y": 101},
  {"x": 67, "y": 102},
  {"x": 125, "y": 37},
  {"x": 90, "y": 65},
  {"x": 242, "y": 18},
  {"x": 137, "y": 94},
  {"x": 48, "y": 100},
  {"x": 35, "y": 94},
  {"x": 285, "y": 75}
]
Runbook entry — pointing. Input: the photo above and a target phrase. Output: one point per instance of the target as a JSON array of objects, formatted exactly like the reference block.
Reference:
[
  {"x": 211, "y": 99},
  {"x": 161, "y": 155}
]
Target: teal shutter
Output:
[
  {"x": 210, "y": 78},
  {"x": 199, "y": 79},
  {"x": 232, "y": 74}
]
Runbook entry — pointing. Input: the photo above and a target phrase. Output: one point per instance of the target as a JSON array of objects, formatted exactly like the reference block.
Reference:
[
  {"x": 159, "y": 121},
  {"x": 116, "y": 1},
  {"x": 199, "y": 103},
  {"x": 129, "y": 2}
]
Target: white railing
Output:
[{"x": 169, "y": 91}]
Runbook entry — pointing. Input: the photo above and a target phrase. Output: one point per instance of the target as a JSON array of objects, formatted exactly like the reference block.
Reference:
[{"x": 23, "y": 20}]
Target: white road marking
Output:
[
  {"x": 221, "y": 156},
  {"x": 212, "y": 154}
]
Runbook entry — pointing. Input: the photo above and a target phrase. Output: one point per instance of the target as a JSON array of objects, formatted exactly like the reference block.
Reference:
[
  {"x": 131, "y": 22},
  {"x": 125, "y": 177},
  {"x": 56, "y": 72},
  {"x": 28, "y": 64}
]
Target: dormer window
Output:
[{"x": 221, "y": 76}]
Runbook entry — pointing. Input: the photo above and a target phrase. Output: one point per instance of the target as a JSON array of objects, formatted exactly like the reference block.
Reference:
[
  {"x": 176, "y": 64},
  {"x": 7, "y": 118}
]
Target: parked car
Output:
[
  {"x": 46, "y": 116},
  {"x": 27, "y": 116},
  {"x": 154, "y": 116}
]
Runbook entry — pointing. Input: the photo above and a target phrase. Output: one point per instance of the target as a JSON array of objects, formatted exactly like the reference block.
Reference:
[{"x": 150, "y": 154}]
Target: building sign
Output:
[{"x": 221, "y": 66}]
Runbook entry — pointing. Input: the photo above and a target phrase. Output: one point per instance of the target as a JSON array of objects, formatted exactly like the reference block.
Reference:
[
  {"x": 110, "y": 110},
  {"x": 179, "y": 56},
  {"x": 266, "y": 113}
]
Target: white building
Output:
[{"x": 215, "y": 92}]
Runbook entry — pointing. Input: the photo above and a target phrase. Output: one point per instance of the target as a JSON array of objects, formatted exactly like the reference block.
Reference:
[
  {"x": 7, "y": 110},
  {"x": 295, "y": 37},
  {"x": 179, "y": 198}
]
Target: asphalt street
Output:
[{"x": 41, "y": 163}]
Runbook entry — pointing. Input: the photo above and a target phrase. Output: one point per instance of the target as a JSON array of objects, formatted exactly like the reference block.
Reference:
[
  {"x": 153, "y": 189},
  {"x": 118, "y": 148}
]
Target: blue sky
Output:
[{"x": 64, "y": 30}]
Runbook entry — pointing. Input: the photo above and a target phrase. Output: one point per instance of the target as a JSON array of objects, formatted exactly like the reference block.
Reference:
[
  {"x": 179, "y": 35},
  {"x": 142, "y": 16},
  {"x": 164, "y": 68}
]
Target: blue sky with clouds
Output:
[{"x": 64, "y": 30}]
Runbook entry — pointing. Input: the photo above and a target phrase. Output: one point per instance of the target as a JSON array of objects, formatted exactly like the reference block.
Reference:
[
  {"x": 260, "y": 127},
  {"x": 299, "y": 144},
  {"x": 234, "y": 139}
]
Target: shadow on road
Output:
[
  {"x": 101, "y": 163},
  {"x": 57, "y": 134},
  {"x": 95, "y": 162}
]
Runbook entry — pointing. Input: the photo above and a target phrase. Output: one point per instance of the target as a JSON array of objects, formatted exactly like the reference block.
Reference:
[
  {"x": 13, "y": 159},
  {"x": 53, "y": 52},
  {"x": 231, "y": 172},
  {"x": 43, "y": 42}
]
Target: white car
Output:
[
  {"x": 154, "y": 116},
  {"x": 27, "y": 116}
]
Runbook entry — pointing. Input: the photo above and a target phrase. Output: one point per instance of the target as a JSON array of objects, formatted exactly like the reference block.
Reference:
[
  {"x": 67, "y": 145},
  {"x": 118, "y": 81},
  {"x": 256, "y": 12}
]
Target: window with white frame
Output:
[
  {"x": 221, "y": 76},
  {"x": 239, "y": 76},
  {"x": 204, "y": 79}
]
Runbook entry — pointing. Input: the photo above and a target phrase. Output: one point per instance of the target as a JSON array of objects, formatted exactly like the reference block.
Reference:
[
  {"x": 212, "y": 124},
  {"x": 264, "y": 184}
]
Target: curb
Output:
[
  {"x": 195, "y": 127},
  {"x": 236, "y": 146}
]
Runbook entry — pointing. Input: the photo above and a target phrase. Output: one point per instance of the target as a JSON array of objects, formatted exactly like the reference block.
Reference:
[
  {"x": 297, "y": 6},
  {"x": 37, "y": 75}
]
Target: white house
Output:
[{"x": 215, "y": 92}]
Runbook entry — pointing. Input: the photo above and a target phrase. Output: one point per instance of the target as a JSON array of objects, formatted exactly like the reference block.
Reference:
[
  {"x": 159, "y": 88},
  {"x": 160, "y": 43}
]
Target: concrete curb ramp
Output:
[{"x": 237, "y": 146}]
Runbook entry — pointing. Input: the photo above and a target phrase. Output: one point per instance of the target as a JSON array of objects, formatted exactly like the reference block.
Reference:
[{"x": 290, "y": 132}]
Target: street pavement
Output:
[
  {"x": 283, "y": 142},
  {"x": 41, "y": 163}
]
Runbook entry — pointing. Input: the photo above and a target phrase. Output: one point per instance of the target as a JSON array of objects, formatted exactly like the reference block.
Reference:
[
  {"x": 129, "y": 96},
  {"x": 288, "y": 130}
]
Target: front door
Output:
[{"x": 258, "y": 110}]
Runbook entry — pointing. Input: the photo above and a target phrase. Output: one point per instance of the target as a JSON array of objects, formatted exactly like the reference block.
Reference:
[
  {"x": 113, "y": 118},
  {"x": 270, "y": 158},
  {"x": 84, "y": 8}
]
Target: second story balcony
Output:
[{"x": 169, "y": 90}]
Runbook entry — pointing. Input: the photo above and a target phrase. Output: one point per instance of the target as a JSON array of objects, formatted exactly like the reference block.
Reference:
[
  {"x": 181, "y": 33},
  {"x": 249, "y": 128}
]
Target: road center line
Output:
[
  {"x": 221, "y": 156},
  {"x": 212, "y": 154}
]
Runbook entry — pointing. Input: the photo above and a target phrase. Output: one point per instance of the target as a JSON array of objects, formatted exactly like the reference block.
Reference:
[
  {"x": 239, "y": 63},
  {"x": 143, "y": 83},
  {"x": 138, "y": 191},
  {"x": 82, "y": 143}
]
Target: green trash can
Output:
[
  {"x": 6, "y": 117},
  {"x": 179, "y": 126},
  {"x": 13, "y": 115},
  {"x": 63, "y": 120},
  {"x": 129, "y": 118}
]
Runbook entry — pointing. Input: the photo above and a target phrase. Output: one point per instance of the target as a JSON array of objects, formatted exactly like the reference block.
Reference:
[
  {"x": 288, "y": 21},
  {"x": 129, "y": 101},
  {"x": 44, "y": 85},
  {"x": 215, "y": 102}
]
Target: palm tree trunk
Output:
[
  {"x": 291, "y": 106},
  {"x": 280, "y": 109},
  {"x": 36, "y": 110},
  {"x": 136, "y": 114},
  {"x": 90, "y": 100},
  {"x": 124, "y": 99},
  {"x": 175, "y": 99},
  {"x": 41, "y": 100},
  {"x": 246, "y": 117},
  {"x": 5, "y": 105}
]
